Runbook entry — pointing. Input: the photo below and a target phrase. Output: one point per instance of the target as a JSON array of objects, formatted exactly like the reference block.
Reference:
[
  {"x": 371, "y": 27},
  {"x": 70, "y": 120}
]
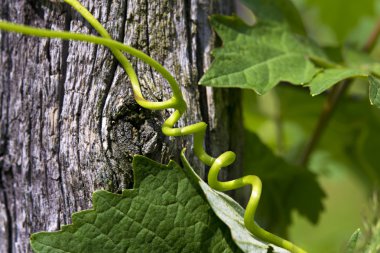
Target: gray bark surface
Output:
[{"x": 68, "y": 121}]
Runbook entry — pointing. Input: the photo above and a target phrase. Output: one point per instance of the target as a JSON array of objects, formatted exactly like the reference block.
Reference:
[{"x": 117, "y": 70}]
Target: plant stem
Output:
[
  {"x": 371, "y": 42},
  {"x": 332, "y": 102},
  {"x": 328, "y": 109}
]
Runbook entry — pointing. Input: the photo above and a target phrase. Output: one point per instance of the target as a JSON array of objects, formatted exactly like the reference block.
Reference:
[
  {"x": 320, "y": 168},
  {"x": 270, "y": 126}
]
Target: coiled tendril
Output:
[{"x": 178, "y": 104}]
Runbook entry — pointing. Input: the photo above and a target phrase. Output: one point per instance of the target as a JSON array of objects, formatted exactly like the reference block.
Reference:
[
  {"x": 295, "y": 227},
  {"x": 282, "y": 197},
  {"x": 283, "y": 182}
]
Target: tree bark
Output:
[{"x": 69, "y": 123}]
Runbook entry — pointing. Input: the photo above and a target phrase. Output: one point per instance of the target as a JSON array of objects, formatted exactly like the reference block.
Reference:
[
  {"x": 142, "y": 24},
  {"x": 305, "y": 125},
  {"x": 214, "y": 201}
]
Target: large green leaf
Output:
[
  {"x": 259, "y": 57},
  {"x": 165, "y": 212},
  {"x": 232, "y": 214},
  {"x": 285, "y": 187},
  {"x": 272, "y": 51}
]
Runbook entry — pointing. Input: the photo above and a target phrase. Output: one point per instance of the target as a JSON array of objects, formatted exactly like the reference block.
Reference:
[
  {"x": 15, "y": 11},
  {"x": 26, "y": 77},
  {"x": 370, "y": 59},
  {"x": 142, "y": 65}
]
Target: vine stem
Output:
[
  {"x": 332, "y": 102},
  {"x": 176, "y": 102}
]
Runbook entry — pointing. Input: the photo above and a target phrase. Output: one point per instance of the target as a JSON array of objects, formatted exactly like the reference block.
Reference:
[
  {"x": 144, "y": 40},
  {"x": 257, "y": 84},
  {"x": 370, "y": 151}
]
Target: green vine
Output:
[{"x": 178, "y": 104}]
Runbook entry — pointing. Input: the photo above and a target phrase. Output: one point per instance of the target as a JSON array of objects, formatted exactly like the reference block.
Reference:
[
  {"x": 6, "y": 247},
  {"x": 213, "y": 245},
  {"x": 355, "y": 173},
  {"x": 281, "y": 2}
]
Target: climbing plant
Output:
[{"x": 170, "y": 209}]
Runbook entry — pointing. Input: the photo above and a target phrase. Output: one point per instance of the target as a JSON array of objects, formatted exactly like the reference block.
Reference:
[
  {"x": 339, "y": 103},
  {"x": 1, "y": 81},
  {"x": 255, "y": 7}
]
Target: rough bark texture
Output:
[{"x": 69, "y": 124}]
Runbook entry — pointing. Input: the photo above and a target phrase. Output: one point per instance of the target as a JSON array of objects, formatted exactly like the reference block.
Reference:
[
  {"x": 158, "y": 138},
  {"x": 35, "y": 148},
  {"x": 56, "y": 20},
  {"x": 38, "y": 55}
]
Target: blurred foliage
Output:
[
  {"x": 371, "y": 232},
  {"x": 343, "y": 210},
  {"x": 348, "y": 141},
  {"x": 374, "y": 91},
  {"x": 346, "y": 158},
  {"x": 342, "y": 15},
  {"x": 284, "y": 120},
  {"x": 352, "y": 242},
  {"x": 339, "y": 21},
  {"x": 285, "y": 187},
  {"x": 277, "y": 11}
]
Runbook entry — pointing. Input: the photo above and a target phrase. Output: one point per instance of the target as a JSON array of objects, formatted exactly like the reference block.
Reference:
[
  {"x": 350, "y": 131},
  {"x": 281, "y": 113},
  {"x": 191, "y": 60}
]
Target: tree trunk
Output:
[{"x": 69, "y": 123}]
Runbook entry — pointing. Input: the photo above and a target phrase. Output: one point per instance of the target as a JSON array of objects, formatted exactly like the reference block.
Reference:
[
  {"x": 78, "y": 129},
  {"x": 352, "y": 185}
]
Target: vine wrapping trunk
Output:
[{"x": 64, "y": 111}]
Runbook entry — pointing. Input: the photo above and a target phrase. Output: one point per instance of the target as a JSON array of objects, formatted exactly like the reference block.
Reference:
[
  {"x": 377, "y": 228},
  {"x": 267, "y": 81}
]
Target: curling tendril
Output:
[{"x": 178, "y": 104}]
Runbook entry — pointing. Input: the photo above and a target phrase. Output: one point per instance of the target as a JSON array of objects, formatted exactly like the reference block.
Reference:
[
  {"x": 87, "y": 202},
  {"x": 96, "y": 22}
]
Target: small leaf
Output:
[
  {"x": 351, "y": 245},
  {"x": 358, "y": 64},
  {"x": 232, "y": 214},
  {"x": 370, "y": 241},
  {"x": 329, "y": 77},
  {"x": 165, "y": 212},
  {"x": 374, "y": 91}
]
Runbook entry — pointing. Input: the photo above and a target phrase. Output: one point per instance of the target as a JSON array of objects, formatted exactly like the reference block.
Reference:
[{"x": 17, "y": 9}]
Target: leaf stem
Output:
[
  {"x": 332, "y": 101},
  {"x": 371, "y": 42}
]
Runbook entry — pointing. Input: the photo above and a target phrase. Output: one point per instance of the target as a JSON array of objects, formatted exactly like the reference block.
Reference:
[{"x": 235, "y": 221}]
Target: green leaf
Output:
[
  {"x": 165, "y": 212},
  {"x": 374, "y": 91},
  {"x": 274, "y": 50},
  {"x": 232, "y": 214},
  {"x": 285, "y": 187},
  {"x": 279, "y": 11},
  {"x": 351, "y": 245},
  {"x": 371, "y": 224},
  {"x": 329, "y": 77},
  {"x": 259, "y": 57},
  {"x": 358, "y": 64}
]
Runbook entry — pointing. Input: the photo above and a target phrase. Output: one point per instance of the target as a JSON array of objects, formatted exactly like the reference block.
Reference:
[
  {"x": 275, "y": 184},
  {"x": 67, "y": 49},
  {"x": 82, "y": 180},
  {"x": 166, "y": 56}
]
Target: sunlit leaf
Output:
[{"x": 259, "y": 57}]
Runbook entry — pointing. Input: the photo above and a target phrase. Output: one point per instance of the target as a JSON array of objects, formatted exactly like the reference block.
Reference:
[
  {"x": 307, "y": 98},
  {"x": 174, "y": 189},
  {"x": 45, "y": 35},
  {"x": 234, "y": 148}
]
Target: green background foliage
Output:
[
  {"x": 346, "y": 159},
  {"x": 286, "y": 187},
  {"x": 339, "y": 17}
]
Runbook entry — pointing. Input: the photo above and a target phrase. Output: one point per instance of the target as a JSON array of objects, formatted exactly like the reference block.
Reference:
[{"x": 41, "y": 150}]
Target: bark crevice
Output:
[{"x": 60, "y": 98}]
